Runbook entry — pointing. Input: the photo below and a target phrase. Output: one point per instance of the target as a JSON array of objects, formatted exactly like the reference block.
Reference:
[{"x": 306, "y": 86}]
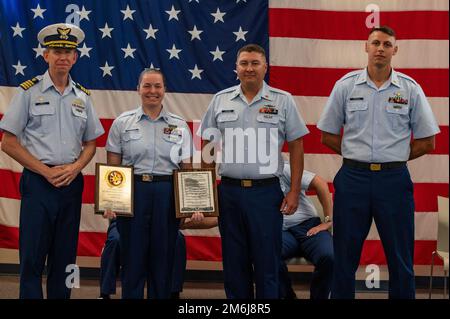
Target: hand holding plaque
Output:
[
  {"x": 114, "y": 189},
  {"x": 195, "y": 191}
]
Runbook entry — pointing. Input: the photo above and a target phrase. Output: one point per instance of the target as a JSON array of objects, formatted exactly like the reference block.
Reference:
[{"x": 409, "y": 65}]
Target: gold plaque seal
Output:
[{"x": 114, "y": 178}]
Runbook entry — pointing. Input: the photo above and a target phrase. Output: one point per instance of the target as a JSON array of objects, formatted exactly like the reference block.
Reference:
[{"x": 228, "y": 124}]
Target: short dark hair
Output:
[
  {"x": 150, "y": 70},
  {"x": 384, "y": 29},
  {"x": 251, "y": 48}
]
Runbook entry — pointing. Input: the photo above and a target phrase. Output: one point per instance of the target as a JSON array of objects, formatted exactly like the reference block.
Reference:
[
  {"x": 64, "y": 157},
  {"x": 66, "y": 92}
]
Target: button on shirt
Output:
[
  {"x": 50, "y": 125},
  {"x": 252, "y": 134},
  {"x": 377, "y": 122},
  {"x": 151, "y": 146},
  {"x": 305, "y": 209}
]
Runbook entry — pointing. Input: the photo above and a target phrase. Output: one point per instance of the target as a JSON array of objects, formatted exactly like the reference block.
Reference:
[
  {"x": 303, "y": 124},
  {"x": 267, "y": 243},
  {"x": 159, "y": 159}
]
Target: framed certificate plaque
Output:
[{"x": 195, "y": 191}]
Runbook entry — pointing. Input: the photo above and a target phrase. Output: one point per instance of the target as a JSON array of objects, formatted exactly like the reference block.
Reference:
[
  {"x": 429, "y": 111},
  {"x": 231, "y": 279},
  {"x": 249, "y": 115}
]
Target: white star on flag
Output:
[
  {"x": 107, "y": 69},
  {"x": 39, "y": 50},
  {"x": 173, "y": 14},
  {"x": 195, "y": 34},
  {"x": 218, "y": 16},
  {"x": 84, "y": 14},
  {"x": 150, "y": 32},
  {"x": 128, "y": 51},
  {"x": 128, "y": 13},
  {"x": 106, "y": 31},
  {"x": 196, "y": 72},
  {"x": 17, "y": 30},
  {"x": 19, "y": 68},
  {"x": 173, "y": 52},
  {"x": 240, "y": 35},
  {"x": 38, "y": 12},
  {"x": 194, "y": 0},
  {"x": 84, "y": 50},
  {"x": 217, "y": 54}
]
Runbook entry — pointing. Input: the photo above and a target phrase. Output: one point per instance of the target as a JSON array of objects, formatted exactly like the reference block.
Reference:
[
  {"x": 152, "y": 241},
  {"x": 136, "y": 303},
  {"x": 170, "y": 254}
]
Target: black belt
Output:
[
  {"x": 249, "y": 182},
  {"x": 153, "y": 178},
  {"x": 373, "y": 166}
]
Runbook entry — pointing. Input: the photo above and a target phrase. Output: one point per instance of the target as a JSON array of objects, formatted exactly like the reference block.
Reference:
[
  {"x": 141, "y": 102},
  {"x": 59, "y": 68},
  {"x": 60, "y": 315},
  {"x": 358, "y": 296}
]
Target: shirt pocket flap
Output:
[
  {"x": 132, "y": 134},
  {"x": 357, "y": 106},
  {"x": 397, "y": 109},
  {"x": 42, "y": 110},
  {"x": 227, "y": 117}
]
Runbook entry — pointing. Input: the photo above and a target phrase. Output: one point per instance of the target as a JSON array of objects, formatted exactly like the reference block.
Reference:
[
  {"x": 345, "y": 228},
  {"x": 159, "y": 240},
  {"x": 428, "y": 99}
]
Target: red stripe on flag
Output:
[
  {"x": 350, "y": 25},
  {"x": 425, "y": 194},
  {"x": 1, "y": 132},
  {"x": 101, "y": 141},
  {"x": 89, "y": 243},
  {"x": 373, "y": 252},
  {"x": 311, "y": 141},
  {"x": 320, "y": 81},
  {"x": 210, "y": 249},
  {"x": 203, "y": 248},
  {"x": 9, "y": 188},
  {"x": 312, "y": 144}
]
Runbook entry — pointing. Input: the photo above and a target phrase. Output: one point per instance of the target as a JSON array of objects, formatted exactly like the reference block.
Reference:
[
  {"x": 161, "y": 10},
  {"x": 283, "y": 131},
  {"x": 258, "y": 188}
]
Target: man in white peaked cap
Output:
[{"x": 50, "y": 128}]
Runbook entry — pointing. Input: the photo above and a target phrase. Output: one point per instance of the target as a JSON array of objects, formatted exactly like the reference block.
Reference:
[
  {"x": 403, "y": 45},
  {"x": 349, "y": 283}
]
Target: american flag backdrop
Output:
[{"x": 310, "y": 45}]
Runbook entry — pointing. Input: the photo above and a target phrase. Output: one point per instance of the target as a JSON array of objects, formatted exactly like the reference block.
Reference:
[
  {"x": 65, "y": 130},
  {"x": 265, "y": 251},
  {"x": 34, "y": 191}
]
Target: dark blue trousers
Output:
[
  {"x": 179, "y": 265},
  {"x": 387, "y": 197},
  {"x": 250, "y": 226},
  {"x": 317, "y": 249},
  {"x": 49, "y": 225},
  {"x": 110, "y": 260},
  {"x": 147, "y": 241}
]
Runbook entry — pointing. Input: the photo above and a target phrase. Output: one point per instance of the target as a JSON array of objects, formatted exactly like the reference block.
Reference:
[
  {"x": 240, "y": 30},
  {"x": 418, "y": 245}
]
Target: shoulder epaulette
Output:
[
  {"x": 29, "y": 83},
  {"x": 407, "y": 77},
  {"x": 82, "y": 88},
  {"x": 272, "y": 89},
  {"x": 350, "y": 74},
  {"x": 227, "y": 90},
  {"x": 127, "y": 113},
  {"x": 176, "y": 116}
]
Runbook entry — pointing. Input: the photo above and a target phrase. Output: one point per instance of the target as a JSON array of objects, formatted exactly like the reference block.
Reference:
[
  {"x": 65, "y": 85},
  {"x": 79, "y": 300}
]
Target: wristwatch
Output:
[{"x": 328, "y": 219}]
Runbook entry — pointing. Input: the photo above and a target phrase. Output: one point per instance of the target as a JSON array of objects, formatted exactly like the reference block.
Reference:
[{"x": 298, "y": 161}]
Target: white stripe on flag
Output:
[
  {"x": 360, "y": 5},
  {"x": 90, "y": 222},
  {"x": 315, "y": 53},
  {"x": 325, "y": 165},
  {"x": 110, "y": 104}
]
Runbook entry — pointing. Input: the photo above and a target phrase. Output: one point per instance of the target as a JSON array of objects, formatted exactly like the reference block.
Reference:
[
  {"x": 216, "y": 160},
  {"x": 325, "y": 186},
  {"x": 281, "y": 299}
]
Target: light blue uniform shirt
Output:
[
  {"x": 152, "y": 146},
  {"x": 51, "y": 126},
  {"x": 264, "y": 125},
  {"x": 377, "y": 122},
  {"x": 305, "y": 209}
]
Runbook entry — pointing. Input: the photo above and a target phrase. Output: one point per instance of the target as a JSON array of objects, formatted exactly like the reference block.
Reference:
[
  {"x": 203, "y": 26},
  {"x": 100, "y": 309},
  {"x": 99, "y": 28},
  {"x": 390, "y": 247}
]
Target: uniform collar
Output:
[
  {"x": 47, "y": 83},
  {"x": 162, "y": 115},
  {"x": 363, "y": 77},
  {"x": 394, "y": 78},
  {"x": 264, "y": 93}
]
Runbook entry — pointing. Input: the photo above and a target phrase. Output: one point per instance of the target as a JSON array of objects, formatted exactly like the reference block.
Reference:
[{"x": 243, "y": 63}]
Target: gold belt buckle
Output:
[
  {"x": 375, "y": 167},
  {"x": 246, "y": 183},
  {"x": 147, "y": 177}
]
